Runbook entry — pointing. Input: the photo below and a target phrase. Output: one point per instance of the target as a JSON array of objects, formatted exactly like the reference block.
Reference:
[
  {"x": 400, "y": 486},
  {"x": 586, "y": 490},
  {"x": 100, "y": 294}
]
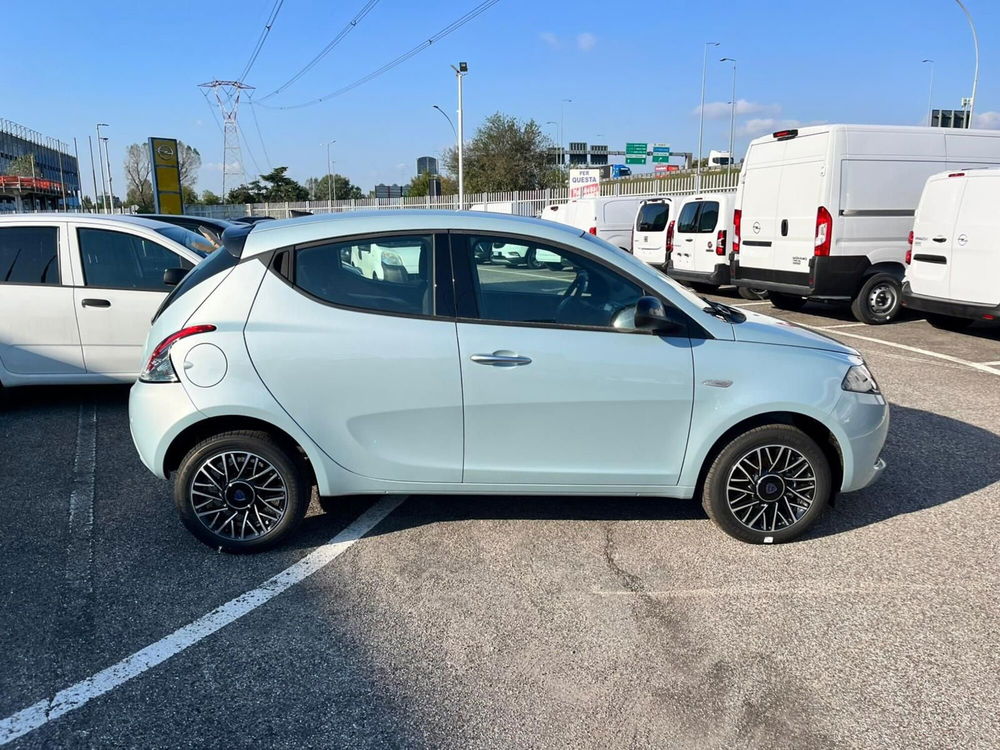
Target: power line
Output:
[
  {"x": 212, "y": 110},
  {"x": 260, "y": 40},
  {"x": 365, "y": 10},
  {"x": 454, "y": 26},
  {"x": 260, "y": 136}
]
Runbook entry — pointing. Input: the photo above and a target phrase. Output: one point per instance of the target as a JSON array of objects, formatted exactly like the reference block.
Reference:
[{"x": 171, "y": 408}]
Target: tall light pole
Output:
[
  {"x": 93, "y": 169},
  {"x": 701, "y": 122},
  {"x": 331, "y": 187},
  {"x": 460, "y": 72},
  {"x": 562, "y": 121},
  {"x": 930, "y": 94},
  {"x": 455, "y": 132},
  {"x": 975, "y": 75},
  {"x": 732, "y": 113},
  {"x": 104, "y": 180},
  {"x": 111, "y": 189}
]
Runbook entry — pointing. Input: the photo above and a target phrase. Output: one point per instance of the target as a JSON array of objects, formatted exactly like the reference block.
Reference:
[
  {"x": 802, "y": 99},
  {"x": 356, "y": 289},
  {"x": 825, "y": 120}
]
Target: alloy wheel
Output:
[
  {"x": 771, "y": 488},
  {"x": 238, "y": 495}
]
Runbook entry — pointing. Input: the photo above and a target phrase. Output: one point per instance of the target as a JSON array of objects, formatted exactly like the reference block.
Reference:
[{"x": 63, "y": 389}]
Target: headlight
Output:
[
  {"x": 860, "y": 380},
  {"x": 391, "y": 259}
]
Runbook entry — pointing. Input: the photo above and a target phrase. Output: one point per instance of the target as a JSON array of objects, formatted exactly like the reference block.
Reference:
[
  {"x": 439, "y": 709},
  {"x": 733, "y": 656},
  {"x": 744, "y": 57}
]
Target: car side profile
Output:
[
  {"x": 274, "y": 367},
  {"x": 77, "y": 292}
]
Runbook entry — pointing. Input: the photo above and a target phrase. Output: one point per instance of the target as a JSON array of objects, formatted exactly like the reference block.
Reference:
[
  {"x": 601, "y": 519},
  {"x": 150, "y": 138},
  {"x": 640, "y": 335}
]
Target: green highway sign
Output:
[
  {"x": 635, "y": 159},
  {"x": 636, "y": 149},
  {"x": 661, "y": 153}
]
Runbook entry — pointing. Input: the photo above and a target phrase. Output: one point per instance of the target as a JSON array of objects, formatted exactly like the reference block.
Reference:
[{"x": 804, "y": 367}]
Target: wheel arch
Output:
[
  {"x": 812, "y": 427},
  {"x": 893, "y": 268}
]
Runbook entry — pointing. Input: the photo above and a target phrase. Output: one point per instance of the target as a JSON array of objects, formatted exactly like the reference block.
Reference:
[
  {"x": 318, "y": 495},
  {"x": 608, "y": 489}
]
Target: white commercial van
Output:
[
  {"x": 823, "y": 212},
  {"x": 700, "y": 240},
  {"x": 649, "y": 235},
  {"x": 953, "y": 267},
  {"x": 608, "y": 217}
]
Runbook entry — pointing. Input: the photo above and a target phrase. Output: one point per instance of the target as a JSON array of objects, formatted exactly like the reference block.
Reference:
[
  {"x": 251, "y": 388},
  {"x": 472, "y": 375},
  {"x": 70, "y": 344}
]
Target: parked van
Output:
[
  {"x": 953, "y": 266},
  {"x": 649, "y": 236},
  {"x": 823, "y": 212},
  {"x": 608, "y": 217},
  {"x": 700, "y": 240}
]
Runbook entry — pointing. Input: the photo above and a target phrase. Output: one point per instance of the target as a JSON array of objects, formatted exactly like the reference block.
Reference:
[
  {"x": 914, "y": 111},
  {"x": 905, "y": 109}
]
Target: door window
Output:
[
  {"x": 118, "y": 260},
  {"x": 687, "y": 221},
  {"x": 29, "y": 255},
  {"x": 545, "y": 285},
  {"x": 384, "y": 274},
  {"x": 698, "y": 217},
  {"x": 652, "y": 217}
]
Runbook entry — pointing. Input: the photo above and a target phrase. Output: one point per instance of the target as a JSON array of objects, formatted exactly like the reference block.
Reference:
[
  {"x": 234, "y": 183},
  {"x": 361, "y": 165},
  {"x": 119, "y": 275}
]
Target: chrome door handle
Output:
[
  {"x": 501, "y": 358},
  {"x": 940, "y": 239}
]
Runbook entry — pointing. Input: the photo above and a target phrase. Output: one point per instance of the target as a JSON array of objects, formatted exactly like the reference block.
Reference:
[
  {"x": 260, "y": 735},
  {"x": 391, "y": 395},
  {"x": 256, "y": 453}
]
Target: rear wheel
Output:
[
  {"x": 747, "y": 292},
  {"x": 240, "y": 491},
  {"x": 704, "y": 288},
  {"x": 787, "y": 301},
  {"x": 768, "y": 485},
  {"x": 878, "y": 301},
  {"x": 531, "y": 261},
  {"x": 949, "y": 322}
]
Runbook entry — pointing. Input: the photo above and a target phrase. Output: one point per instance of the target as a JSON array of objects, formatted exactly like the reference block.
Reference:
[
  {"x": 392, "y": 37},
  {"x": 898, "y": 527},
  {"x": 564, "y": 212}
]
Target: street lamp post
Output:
[
  {"x": 331, "y": 186},
  {"x": 930, "y": 94},
  {"x": 562, "y": 121},
  {"x": 975, "y": 75},
  {"x": 104, "y": 181},
  {"x": 460, "y": 72},
  {"x": 111, "y": 190},
  {"x": 701, "y": 122},
  {"x": 93, "y": 169},
  {"x": 732, "y": 112}
]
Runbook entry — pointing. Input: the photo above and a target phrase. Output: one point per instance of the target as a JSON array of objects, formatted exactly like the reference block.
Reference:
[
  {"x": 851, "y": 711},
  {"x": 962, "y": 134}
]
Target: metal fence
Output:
[{"x": 521, "y": 203}]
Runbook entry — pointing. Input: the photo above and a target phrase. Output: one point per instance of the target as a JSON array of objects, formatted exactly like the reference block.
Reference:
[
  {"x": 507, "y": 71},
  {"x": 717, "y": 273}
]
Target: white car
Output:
[
  {"x": 953, "y": 266},
  {"x": 376, "y": 260},
  {"x": 78, "y": 291},
  {"x": 275, "y": 368}
]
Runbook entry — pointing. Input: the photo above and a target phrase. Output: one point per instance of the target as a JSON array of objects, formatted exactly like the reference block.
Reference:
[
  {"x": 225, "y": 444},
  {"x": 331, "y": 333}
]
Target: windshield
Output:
[
  {"x": 194, "y": 242},
  {"x": 653, "y": 217}
]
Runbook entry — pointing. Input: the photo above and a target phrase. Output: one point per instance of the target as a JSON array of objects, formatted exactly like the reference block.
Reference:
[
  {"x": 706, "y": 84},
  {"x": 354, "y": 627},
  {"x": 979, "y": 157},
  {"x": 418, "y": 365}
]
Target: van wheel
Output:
[
  {"x": 531, "y": 261},
  {"x": 698, "y": 286},
  {"x": 554, "y": 266},
  {"x": 787, "y": 301},
  {"x": 878, "y": 300},
  {"x": 240, "y": 491},
  {"x": 747, "y": 292},
  {"x": 768, "y": 485},
  {"x": 949, "y": 322}
]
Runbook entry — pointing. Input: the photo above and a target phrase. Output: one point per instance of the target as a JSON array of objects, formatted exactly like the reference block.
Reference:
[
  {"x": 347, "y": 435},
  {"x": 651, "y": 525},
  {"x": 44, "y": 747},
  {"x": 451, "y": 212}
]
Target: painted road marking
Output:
[
  {"x": 997, "y": 362},
  {"x": 75, "y": 696},
  {"x": 751, "y": 304},
  {"x": 925, "y": 352},
  {"x": 842, "y": 325},
  {"x": 80, "y": 545}
]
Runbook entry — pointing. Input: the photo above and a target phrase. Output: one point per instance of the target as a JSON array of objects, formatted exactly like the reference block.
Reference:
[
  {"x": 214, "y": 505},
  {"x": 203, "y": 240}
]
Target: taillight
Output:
[
  {"x": 720, "y": 242},
  {"x": 159, "y": 368},
  {"x": 670, "y": 237},
  {"x": 909, "y": 249},
  {"x": 737, "y": 217},
  {"x": 957, "y": 174},
  {"x": 824, "y": 231},
  {"x": 593, "y": 231}
]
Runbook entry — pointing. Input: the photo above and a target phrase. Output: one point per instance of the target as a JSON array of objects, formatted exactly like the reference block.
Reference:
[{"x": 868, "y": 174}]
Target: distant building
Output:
[
  {"x": 427, "y": 165},
  {"x": 55, "y": 181},
  {"x": 391, "y": 191}
]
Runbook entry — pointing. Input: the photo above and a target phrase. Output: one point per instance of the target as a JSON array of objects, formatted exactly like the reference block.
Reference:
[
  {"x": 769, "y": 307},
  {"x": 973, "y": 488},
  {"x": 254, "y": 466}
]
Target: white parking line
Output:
[
  {"x": 75, "y": 696},
  {"x": 80, "y": 544},
  {"x": 751, "y": 304},
  {"x": 842, "y": 325},
  {"x": 925, "y": 352},
  {"x": 991, "y": 363}
]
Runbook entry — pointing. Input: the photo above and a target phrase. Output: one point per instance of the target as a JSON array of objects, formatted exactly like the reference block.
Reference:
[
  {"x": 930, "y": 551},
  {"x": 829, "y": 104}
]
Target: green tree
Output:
[
  {"x": 188, "y": 163},
  {"x": 87, "y": 203},
  {"x": 189, "y": 196},
  {"x": 138, "y": 186},
  {"x": 420, "y": 185},
  {"x": 280, "y": 187},
  {"x": 23, "y": 166},
  {"x": 506, "y": 154},
  {"x": 210, "y": 199},
  {"x": 342, "y": 189}
]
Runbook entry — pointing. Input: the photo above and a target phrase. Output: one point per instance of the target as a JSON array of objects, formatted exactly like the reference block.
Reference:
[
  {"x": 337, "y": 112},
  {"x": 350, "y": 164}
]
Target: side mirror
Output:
[
  {"x": 652, "y": 315},
  {"x": 173, "y": 276}
]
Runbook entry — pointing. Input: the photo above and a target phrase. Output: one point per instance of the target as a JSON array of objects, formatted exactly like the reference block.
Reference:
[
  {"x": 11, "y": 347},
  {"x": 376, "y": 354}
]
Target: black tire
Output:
[
  {"x": 704, "y": 288},
  {"x": 554, "y": 266},
  {"x": 949, "y": 322},
  {"x": 747, "y": 292},
  {"x": 531, "y": 262},
  {"x": 234, "y": 495},
  {"x": 878, "y": 301},
  {"x": 329, "y": 504},
  {"x": 787, "y": 301},
  {"x": 724, "y": 507}
]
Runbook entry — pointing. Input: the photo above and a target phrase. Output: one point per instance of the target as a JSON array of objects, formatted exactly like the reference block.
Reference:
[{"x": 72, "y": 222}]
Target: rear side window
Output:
[
  {"x": 29, "y": 255},
  {"x": 688, "y": 220},
  {"x": 383, "y": 274},
  {"x": 698, "y": 217},
  {"x": 653, "y": 217},
  {"x": 708, "y": 216}
]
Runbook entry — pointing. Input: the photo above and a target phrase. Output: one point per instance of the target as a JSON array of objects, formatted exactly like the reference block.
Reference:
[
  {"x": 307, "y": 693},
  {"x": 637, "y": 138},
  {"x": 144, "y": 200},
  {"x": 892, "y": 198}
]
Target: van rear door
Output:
[
  {"x": 759, "y": 203},
  {"x": 933, "y": 233},
  {"x": 799, "y": 198},
  {"x": 975, "y": 255},
  {"x": 649, "y": 237}
]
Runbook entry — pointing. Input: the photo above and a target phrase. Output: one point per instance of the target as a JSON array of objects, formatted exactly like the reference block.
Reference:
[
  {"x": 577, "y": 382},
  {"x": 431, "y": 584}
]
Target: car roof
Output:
[
  {"x": 268, "y": 235},
  {"x": 98, "y": 218},
  {"x": 167, "y": 218}
]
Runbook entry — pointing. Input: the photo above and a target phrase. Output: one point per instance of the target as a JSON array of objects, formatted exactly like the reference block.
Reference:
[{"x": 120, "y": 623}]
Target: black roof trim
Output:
[{"x": 234, "y": 238}]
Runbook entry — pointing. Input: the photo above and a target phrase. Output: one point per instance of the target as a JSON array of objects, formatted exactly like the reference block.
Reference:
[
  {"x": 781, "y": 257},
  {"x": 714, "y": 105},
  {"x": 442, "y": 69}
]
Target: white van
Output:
[
  {"x": 608, "y": 217},
  {"x": 823, "y": 212},
  {"x": 649, "y": 235},
  {"x": 700, "y": 239},
  {"x": 953, "y": 267}
]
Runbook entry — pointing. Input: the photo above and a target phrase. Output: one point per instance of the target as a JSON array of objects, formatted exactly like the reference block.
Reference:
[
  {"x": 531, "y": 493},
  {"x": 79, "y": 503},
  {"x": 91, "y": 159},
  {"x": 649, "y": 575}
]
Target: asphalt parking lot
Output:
[{"x": 511, "y": 622}]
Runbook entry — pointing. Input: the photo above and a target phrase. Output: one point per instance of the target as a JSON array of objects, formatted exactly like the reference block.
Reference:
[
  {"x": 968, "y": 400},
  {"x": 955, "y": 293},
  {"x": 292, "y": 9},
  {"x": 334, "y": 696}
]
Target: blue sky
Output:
[{"x": 632, "y": 69}]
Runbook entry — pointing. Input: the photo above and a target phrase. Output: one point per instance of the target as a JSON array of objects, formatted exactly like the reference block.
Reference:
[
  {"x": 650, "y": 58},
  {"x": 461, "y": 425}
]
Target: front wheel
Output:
[
  {"x": 240, "y": 491},
  {"x": 531, "y": 261},
  {"x": 787, "y": 301},
  {"x": 704, "y": 288},
  {"x": 949, "y": 322},
  {"x": 878, "y": 302},
  {"x": 767, "y": 485}
]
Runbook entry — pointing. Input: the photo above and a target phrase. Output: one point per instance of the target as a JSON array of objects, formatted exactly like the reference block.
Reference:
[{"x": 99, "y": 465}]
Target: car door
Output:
[
  {"x": 685, "y": 235},
  {"x": 559, "y": 388},
  {"x": 931, "y": 265},
  {"x": 368, "y": 367},
  {"x": 705, "y": 257},
  {"x": 38, "y": 332},
  {"x": 975, "y": 257},
  {"x": 122, "y": 286}
]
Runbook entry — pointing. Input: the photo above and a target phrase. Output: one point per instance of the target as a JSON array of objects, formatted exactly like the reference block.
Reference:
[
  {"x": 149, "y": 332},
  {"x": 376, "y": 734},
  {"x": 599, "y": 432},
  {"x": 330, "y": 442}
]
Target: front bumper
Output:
[
  {"x": 863, "y": 422},
  {"x": 938, "y": 306},
  {"x": 158, "y": 413}
]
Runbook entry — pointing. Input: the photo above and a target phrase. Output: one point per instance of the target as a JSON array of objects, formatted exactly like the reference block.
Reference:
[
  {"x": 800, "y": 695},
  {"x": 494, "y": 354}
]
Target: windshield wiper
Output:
[{"x": 727, "y": 313}]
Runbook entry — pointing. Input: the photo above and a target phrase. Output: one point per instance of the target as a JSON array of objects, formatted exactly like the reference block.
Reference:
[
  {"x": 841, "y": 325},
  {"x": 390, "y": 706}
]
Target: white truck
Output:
[{"x": 824, "y": 212}]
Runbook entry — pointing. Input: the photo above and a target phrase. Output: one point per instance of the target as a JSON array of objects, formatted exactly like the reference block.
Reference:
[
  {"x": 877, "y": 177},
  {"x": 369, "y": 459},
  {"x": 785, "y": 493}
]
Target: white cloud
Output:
[
  {"x": 213, "y": 166},
  {"x": 586, "y": 41},
  {"x": 989, "y": 120},
  {"x": 718, "y": 110},
  {"x": 550, "y": 39}
]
